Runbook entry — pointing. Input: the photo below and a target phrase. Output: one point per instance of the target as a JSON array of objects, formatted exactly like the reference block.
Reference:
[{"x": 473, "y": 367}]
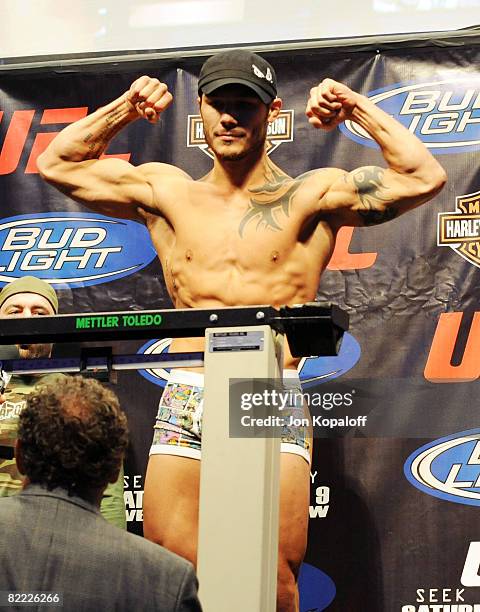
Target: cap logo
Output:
[{"x": 268, "y": 76}]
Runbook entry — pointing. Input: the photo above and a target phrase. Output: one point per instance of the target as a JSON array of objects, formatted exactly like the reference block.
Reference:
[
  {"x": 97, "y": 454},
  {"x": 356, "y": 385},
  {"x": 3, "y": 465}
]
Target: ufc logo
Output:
[{"x": 439, "y": 368}]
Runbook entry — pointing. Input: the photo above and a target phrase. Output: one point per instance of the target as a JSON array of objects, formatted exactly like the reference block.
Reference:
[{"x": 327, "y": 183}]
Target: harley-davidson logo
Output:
[{"x": 460, "y": 229}]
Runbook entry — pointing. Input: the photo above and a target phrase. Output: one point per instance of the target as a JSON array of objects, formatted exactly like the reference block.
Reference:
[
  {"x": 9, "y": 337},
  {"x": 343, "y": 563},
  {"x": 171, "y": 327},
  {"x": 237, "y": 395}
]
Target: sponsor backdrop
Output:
[{"x": 394, "y": 494}]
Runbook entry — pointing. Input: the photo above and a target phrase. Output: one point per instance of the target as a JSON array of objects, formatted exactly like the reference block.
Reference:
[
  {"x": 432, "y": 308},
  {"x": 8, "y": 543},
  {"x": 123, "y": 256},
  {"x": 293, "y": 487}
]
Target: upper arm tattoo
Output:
[{"x": 373, "y": 194}]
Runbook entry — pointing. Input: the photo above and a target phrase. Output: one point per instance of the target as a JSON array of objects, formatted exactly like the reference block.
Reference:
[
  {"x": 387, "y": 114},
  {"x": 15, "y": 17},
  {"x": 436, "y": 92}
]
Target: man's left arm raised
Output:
[{"x": 372, "y": 194}]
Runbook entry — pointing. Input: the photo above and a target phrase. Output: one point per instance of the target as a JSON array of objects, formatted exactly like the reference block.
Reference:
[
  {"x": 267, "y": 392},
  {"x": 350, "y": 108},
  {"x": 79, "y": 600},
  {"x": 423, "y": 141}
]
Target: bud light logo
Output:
[
  {"x": 71, "y": 248},
  {"x": 158, "y": 376},
  {"x": 448, "y": 468},
  {"x": 312, "y": 370},
  {"x": 316, "y": 370},
  {"x": 444, "y": 115}
]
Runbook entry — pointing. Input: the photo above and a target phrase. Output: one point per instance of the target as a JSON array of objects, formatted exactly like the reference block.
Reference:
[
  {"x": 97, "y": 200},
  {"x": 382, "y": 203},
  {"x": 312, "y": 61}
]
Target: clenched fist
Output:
[
  {"x": 148, "y": 97},
  {"x": 329, "y": 104}
]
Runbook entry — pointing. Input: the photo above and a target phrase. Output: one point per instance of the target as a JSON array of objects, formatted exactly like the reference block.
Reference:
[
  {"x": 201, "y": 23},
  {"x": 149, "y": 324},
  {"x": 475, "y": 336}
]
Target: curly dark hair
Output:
[{"x": 73, "y": 434}]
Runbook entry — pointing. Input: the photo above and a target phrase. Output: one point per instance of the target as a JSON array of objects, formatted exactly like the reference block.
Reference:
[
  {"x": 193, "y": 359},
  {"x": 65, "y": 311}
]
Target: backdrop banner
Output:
[{"x": 395, "y": 479}]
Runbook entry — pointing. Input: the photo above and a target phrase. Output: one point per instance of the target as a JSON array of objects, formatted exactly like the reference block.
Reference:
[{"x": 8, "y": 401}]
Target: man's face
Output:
[
  {"x": 28, "y": 305},
  {"x": 235, "y": 121}
]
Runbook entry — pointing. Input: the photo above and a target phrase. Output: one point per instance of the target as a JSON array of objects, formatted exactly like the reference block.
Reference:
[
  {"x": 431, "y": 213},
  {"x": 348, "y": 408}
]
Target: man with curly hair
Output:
[{"x": 72, "y": 437}]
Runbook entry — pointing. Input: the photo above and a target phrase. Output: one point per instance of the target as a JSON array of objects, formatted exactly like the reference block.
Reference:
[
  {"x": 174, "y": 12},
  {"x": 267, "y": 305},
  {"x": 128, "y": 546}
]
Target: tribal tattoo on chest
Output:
[{"x": 268, "y": 202}]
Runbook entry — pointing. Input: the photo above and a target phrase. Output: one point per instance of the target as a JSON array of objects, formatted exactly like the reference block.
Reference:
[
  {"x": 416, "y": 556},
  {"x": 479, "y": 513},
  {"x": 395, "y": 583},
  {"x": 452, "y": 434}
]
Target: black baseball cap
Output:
[{"x": 239, "y": 66}]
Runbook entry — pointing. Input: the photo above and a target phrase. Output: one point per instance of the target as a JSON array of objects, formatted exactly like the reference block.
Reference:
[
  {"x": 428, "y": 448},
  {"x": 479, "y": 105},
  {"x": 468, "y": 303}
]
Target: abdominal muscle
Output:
[
  {"x": 218, "y": 268},
  {"x": 196, "y": 288}
]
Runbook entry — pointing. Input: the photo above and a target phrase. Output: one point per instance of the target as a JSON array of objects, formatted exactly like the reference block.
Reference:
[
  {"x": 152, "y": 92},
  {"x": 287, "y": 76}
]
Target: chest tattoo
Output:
[{"x": 270, "y": 202}]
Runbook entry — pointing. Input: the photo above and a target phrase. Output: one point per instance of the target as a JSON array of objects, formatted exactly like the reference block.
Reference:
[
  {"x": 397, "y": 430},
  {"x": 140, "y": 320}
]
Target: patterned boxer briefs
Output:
[{"x": 178, "y": 425}]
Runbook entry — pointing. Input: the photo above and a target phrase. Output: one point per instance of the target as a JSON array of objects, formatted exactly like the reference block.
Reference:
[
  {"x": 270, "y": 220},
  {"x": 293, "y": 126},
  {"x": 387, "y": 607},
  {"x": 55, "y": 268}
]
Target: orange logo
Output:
[{"x": 439, "y": 367}]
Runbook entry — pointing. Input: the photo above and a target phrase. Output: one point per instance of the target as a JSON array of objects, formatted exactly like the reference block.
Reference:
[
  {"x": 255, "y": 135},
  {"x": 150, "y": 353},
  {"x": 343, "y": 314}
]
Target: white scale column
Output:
[{"x": 239, "y": 484}]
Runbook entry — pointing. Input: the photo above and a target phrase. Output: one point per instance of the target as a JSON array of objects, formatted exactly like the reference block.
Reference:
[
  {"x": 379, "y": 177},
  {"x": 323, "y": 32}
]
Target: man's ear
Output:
[
  {"x": 19, "y": 457},
  {"x": 274, "y": 110}
]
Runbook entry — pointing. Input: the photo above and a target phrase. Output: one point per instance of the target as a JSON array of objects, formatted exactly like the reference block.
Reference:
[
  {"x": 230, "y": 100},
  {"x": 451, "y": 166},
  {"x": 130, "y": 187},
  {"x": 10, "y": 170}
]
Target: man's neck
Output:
[{"x": 246, "y": 173}]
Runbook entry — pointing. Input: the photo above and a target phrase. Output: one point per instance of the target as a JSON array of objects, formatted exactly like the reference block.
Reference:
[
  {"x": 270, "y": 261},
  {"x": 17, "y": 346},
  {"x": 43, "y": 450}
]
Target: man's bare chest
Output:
[{"x": 272, "y": 208}]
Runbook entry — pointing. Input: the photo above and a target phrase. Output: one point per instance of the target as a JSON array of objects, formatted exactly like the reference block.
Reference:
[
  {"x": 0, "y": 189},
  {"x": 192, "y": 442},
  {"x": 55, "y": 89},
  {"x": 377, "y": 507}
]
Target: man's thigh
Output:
[
  {"x": 294, "y": 504},
  {"x": 170, "y": 503}
]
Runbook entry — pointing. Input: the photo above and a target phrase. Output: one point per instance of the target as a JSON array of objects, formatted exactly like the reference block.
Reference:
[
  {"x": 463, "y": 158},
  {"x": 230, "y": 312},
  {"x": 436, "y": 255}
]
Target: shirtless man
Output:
[{"x": 244, "y": 234}]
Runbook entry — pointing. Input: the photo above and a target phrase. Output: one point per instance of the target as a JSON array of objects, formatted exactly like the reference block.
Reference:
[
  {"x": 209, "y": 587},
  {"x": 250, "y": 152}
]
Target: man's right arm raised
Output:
[{"x": 111, "y": 186}]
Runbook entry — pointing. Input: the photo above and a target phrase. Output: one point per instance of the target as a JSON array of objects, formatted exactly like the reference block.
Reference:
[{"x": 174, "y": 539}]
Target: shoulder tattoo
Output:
[{"x": 268, "y": 202}]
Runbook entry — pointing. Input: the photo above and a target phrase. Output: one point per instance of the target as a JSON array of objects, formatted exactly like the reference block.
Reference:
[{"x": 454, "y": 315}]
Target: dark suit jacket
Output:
[{"x": 52, "y": 542}]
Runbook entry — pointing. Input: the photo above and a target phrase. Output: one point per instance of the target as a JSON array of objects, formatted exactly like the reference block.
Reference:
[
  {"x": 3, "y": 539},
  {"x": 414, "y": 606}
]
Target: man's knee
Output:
[
  {"x": 287, "y": 590},
  {"x": 289, "y": 563}
]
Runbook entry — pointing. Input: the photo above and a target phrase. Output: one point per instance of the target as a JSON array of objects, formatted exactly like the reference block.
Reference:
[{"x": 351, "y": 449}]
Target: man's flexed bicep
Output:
[
  {"x": 71, "y": 162},
  {"x": 110, "y": 186},
  {"x": 371, "y": 195},
  {"x": 115, "y": 187}
]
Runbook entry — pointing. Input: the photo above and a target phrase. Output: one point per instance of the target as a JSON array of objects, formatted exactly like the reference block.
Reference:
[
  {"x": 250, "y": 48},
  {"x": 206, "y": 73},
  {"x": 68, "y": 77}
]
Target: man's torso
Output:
[{"x": 234, "y": 247}]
